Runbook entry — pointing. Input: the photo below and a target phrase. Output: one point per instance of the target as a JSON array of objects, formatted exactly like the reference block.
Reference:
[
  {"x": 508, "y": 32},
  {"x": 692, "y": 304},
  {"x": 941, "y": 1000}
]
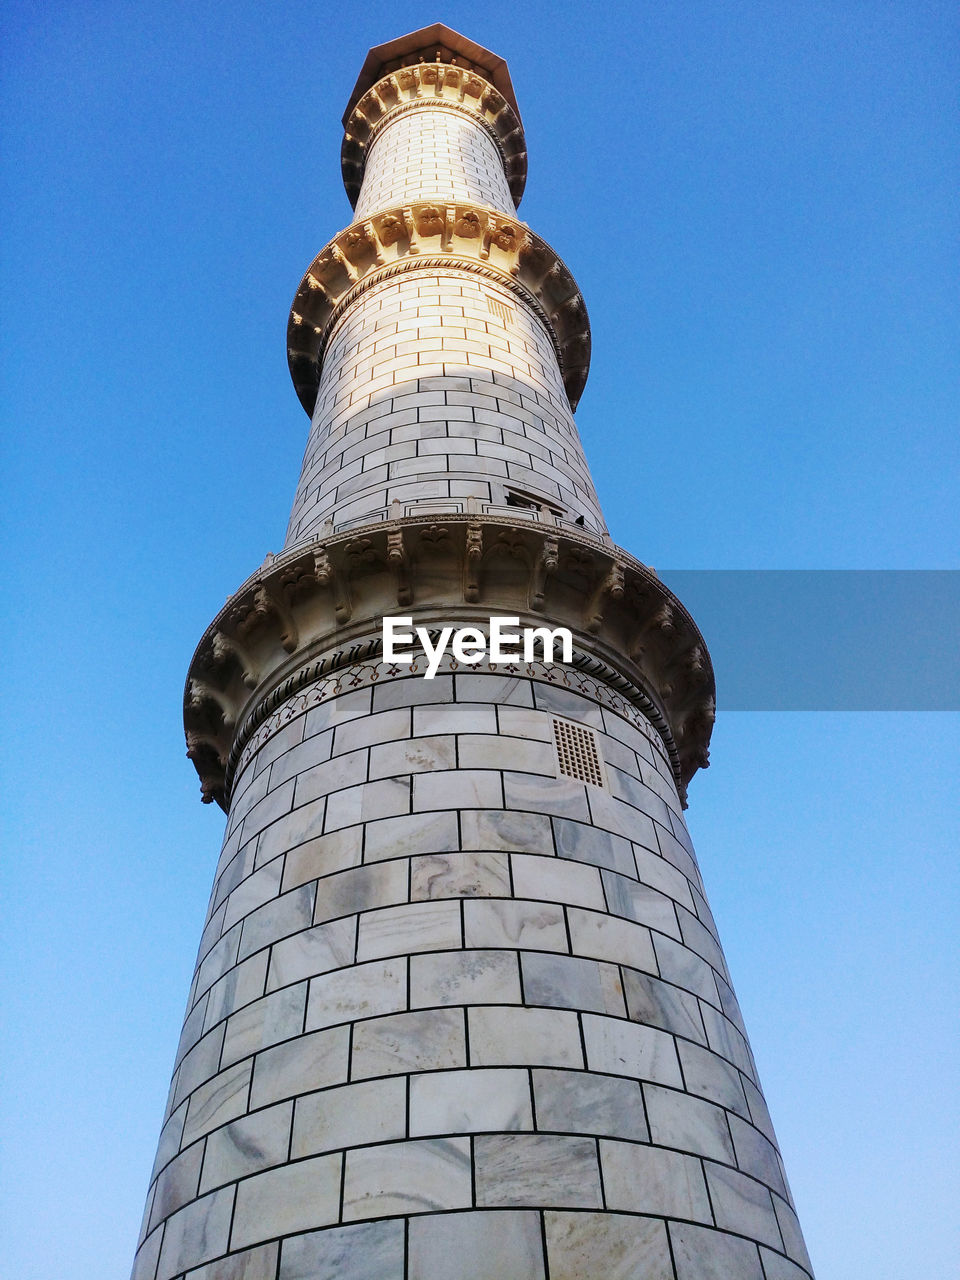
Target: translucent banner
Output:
[{"x": 828, "y": 640}]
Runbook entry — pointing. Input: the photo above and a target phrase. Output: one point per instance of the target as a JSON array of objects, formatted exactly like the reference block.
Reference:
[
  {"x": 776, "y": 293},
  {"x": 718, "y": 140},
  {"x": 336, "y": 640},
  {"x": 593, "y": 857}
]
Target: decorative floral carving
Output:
[
  {"x": 223, "y": 648},
  {"x": 430, "y": 221},
  {"x": 505, "y": 237},
  {"x": 361, "y": 551},
  {"x": 468, "y": 225},
  {"x": 360, "y": 241},
  {"x": 435, "y": 533},
  {"x": 513, "y": 543},
  {"x": 391, "y": 229}
]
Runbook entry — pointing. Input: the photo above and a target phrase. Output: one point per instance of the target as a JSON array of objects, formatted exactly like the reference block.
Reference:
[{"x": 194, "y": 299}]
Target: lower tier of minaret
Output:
[
  {"x": 440, "y": 386},
  {"x": 459, "y": 1014}
]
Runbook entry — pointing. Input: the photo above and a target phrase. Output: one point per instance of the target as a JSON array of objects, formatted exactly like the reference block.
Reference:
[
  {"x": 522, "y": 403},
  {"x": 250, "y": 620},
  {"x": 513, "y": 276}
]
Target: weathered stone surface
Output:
[
  {"x": 581, "y": 1246},
  {"x": 482, "y": 1246},
  {"x": 407, "y": 1177},
  {"x": 474, "y": 1101},
  {"x": 536, "y": 1169},
  {"x": 365, "y": 1251},
  {"x": 287, "y": 1199},
  {"x": 579, "y": 1102}
]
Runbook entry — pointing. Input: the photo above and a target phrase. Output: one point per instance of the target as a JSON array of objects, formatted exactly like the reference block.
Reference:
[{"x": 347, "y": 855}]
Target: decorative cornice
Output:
[
  {"x": 434, "y": 84},
  {"x": 276, "y": 634},
  {"x": 427, "y": 235}
]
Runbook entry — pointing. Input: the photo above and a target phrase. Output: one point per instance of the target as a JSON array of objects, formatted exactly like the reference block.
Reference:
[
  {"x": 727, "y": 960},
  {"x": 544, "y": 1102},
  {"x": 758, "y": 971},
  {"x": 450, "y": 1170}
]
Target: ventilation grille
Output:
[
  {"x": 500, "y": 309},
  {"x": 577, "y": 752}
]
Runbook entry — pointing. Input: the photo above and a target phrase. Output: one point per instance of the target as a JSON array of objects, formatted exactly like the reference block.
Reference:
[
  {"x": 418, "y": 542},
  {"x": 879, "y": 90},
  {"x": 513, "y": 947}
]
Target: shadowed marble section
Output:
[{"x": 366, "y": 1251}]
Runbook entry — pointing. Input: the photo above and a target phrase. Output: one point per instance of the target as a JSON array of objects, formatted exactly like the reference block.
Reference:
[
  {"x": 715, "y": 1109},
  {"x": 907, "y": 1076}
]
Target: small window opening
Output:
[
  {"x": 517, "y": 498},
  {"x": 578, "y": 754}
]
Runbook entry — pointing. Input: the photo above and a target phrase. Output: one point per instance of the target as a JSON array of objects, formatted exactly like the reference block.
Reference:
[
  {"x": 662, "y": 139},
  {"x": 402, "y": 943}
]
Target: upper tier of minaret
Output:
[
  {"x": 433, "y": 114},
  {"x": 438, "y": 343},
  {"x": 432, "y": 155}
]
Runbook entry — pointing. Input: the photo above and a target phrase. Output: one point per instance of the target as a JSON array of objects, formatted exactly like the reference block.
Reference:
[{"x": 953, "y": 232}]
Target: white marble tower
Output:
[{"x": 460, "y": 1011}]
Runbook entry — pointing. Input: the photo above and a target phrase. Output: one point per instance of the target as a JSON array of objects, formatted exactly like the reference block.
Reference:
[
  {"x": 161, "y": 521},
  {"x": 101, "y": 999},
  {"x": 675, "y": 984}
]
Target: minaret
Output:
[{"x": 460, "y": 1011}]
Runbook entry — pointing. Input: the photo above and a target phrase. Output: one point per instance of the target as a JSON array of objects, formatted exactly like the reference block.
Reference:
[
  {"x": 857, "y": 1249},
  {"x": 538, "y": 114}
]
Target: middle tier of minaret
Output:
[{"x": 440, "y": 386}]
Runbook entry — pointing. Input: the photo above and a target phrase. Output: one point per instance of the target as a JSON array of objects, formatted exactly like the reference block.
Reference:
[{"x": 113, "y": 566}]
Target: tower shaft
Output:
[{"x": 460, "y": 1011}]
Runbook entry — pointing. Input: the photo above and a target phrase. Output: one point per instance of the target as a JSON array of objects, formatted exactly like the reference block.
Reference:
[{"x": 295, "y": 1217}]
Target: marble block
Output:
[
  {"x": 582, "y": 1246},
  {"x": 495, "y": 1245},
  {"x": 407, "y": 1177}
]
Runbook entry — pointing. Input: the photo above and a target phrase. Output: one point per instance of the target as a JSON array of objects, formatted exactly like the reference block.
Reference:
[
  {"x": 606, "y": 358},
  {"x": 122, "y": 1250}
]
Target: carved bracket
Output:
[
  {"x": 610, "y": 587},
  {"x": 224, "y": 648},
  {"x": 546, "y": 564},
  {"x": 397, "y": 556}
]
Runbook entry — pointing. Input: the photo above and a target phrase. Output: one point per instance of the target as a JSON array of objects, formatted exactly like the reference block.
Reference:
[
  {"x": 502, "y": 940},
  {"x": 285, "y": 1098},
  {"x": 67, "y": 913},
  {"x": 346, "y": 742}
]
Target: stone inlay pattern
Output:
[
  {"x": 347, "y": 679},
  {"x": 449, "y": 1003}
]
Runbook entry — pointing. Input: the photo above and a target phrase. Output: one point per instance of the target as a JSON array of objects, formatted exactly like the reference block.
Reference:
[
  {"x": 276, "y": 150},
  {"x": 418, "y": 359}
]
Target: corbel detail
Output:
[
  {"x": 433, "y": 86},
  {"x": 225, "y": 647},
  {"x": 472, "y": 562},
  {"x": 397, "y": 556},
  {"x": 545, "y": 564},
  {"x": 425, "y": 235},
  {"x": 202, "y": 744},
  {"x": 200, "y": 695},
  {"x": 327, "y": 576},
  {"x": 267, "y": 600},
  {"x": 609, "y": 588}
]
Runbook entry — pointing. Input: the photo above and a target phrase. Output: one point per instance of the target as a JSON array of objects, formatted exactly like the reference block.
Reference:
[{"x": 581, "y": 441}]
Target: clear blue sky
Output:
[{"x": 758, "y": 201}]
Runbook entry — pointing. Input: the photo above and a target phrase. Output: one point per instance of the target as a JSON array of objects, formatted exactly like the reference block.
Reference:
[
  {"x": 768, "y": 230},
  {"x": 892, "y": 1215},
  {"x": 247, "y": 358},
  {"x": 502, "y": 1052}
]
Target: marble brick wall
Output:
[
  {"x": 439, "y": 386},
  {"x": 451, "y": 1004},
  {"x": 433, "y": 154}
]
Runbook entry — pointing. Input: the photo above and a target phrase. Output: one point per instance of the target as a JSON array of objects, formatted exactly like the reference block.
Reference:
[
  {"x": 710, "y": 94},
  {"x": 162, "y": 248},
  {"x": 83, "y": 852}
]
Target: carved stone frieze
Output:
[
  {"x": 435, "y": 86},
  {"x": 333, "y": 595},
  {"x": 426, "y": 236}
]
